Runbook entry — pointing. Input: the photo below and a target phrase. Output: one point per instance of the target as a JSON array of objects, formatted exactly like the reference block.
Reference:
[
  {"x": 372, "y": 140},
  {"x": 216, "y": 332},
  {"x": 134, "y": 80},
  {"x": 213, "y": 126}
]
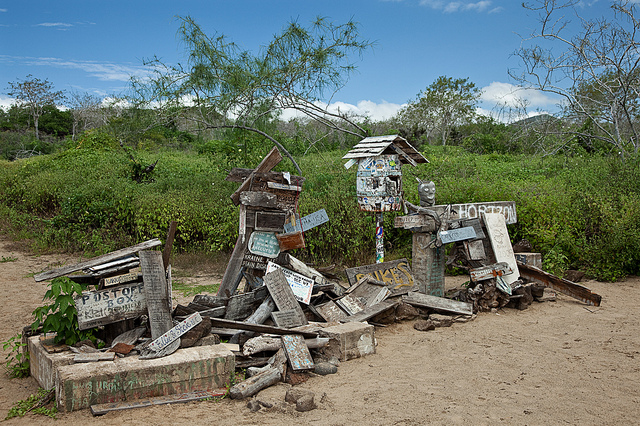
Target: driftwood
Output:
[
  {"x": 270, "y": 375},
  {"x": 258, "y": 317},
  {"x": 567, "y": 287},
  {"x": 259, "y": 328},
  {"x": 271, "y": 343}
]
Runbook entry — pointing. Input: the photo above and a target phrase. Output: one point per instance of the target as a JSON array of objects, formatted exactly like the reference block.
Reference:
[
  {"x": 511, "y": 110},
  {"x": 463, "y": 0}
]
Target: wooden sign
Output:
[
  {"x": 309, "y": 221},
  {"x": 350, "y": 304},
  {"x": 110, "y": 305},
  {"x": 487, "y": 272},
  {"x": 475, "y": 210},
  {"x": 371, "y": 311},
  {"x": 156, "y": 292},
  {"x": 287, "y": 319},
  {"x": 173, "y": 334},
  {"x": 284, "y": 187},
  {"x": 258, "y": 199},
  {"x": 264, "y": 244},
  {"x": 269, "y": 221},
  {"x": 297, "y": 352},
  {"x": 302, "y": 286},
  {"x": 500, "y": 243},
  {"x": 254, "y": 261},
  {"x": 460, "y": 234},
  {"x": 282, "y": 293},
  {"x": 121, "y": 279},
  {"x": 331, "y": 312},
  {"x": 414, "y": 221},
  {"x": 395, "y": 274}
]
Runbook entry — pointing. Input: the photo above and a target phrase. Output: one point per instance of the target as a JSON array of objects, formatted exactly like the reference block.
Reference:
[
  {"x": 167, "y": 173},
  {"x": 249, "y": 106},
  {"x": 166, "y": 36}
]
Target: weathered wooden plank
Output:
[
  {"x": 121, "y": 279},
  {"x": 331, "y": 312},
  {"x": 309, "y": 221},
  {"x": 567, "y": 287},
  {"x": 500, "y": 243},
  {"x": 414, "y": 221},
  {"x": 371, "y": 311},
  {"x": 301, "y": 285},
  {"x": 438, "y": 303},
  {"x": 490, "y": 271},
  {"x": 297, "y": 352},
  {"x": 199, "y": 395},
  {"x": 475, "y": 210},
  {"x": 258, "y": 199},
  {"x": 270, "y": 375},
  {"x": 258, "y": 328},
  {"x": 259, "y": 316},
  {"x": 284, "y": 186},
  {"x": 65, "y": 270},
  {"x": 210, "y": 301},
  {"x": 395, "y": 274},
  {"x": 174, "y": 333},
  {"x": 110, "y": 305},
  {"x": 242, "y": 305},
  {"x": 166, "y": 253},
  {"x": 267, "y": 163},
  {"x": 287, "y": 319},
  {"x": 156, "y": 293},
  {"x": 428, "y": 264},
  {"x": 475, "y": 250},
  {"x": 282, "y": 293},
  {"x": 370, "y": 294},
  {"x": 264, "y": 343},
  {"x": 301, "y": 268},
  {"x": 239, "y": 175},
  {"x": 232, "y": 274},
  {"x": 350, "y": 304},
  {"x": 459, "y": 234},
  {"x": 127, "y": 260}
]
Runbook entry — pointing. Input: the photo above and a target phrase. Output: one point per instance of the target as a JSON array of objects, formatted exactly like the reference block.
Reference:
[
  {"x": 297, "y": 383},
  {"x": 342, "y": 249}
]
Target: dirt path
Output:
[{"x": 555, "y": 363}]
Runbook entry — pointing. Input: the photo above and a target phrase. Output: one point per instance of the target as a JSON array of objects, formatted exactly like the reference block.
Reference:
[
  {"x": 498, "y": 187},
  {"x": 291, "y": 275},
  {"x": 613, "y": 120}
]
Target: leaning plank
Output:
[
  {"x": 54, "y": 273},
  {"x": 297, "y": 353},
  {"x": 371, "y": 311},
  {"x": 175, "y": 333},
  {"x": 301, "y": 268},
  {"x": 156, "y": 293},
  {"x": 567, "y": 287},
  {"x": 438, "y": 303},
  {"x": 199, "y": 395},
  {"x": 267, "y": 163},
  {"x": 166, "y": 253},
  {"x": 282, "y": 293},
  {"x": 259, "y": 328}
]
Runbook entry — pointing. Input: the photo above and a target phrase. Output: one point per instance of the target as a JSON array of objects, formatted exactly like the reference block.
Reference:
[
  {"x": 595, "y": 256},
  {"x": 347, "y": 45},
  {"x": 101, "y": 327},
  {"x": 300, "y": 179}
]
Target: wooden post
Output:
[
  {"x": 428, "y": 264},
  {"x": 379, "y": 239}
]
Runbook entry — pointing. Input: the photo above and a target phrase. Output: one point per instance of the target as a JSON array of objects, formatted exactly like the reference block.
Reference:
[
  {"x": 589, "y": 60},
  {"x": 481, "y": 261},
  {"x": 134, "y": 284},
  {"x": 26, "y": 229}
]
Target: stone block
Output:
[
  {"x": 44, "y": 365},
  {"x": 349, "y": 340},
  {"x": 79, "y": 386}
]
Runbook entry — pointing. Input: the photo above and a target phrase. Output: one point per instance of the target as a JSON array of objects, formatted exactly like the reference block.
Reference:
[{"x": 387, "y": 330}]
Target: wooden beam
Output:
[
  {"x": 199, "y": 395},
  {"x": 438, "y": 303},
  {"x": 166, "y": 253},
  {"x": 258, "y": 328},
  {"x": 267, "y": 163},
  {"x": 65, "y": 270},
  {"x": 567, "y": 287}
]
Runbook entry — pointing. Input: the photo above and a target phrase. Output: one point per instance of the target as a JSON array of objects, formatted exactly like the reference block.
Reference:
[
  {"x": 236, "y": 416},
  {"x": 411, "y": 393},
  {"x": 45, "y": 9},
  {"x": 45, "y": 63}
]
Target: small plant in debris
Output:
[
  {"x": 34, "y": 403},
  {"x": 17, "y": 360},
  {"x": 6, "y": 259},
  {"x": 61, "y": 316}
]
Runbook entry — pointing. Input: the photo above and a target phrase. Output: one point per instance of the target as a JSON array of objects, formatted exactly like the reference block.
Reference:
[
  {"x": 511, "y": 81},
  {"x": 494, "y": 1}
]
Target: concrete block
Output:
[
  {"x": 44, "y": 365},
  {"x": 79, "y": 386},
  {"x": 531, "y": 259},
  {"x": 349, "y": 340}
]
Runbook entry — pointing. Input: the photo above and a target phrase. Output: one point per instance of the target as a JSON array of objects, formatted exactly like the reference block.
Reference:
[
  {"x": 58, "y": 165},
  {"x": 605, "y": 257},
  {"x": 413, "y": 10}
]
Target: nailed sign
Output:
[
  {"x": 395, "y": 274},
  {"x": 264, "y": 244},
  {"x": 309, "y": 221},
  {"x": 167, "y": 338},
  {"x": 110, "y": 305},
  {"x": 460, "y": 234},
  {"x": 302, "y": 286}
]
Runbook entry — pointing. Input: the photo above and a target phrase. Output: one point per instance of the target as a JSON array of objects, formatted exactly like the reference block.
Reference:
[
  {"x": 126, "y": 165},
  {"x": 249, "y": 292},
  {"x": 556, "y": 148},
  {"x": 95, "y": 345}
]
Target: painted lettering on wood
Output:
[
  {"x": 156, "y": 292},
  {"x": 475, "y": 210},
  {"x": 395, "y": 274},
  {"x": 121, "y": 279},
  {"x": 282, "y": 293},
  {"x": 302, "y": 286},
  {"x": 175, "y": 333},
  {"x": 110, "y": 305},
  {"x": 297, "y": 352},
  {"x": 264, "y": 244},
  {"x": 309, "y": 221},
  {"x": 460, "y": 234}
]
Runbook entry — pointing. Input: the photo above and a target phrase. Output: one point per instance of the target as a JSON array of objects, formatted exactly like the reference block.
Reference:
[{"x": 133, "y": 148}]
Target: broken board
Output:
[
  {"x": 297, "y": 352},
  {"x": 438, "y": 303},
  {"x": 282, "y": 293},
  {"x": 500, "y": 243}
]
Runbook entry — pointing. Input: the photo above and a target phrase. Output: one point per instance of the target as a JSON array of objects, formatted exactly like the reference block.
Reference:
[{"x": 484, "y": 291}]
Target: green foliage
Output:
[
  {"x": 17, "y": 360},
  {"x": 32, "y": 404},
  {"x": 191, "y": 290},
  {"x": 6, "y": 259},
  {"x": 97, "y": 140},
  {"x": 61, "y": 316}
]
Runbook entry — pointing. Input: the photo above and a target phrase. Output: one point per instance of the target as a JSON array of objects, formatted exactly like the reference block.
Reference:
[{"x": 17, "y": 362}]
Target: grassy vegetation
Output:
[{"x": 579, "y": 212}]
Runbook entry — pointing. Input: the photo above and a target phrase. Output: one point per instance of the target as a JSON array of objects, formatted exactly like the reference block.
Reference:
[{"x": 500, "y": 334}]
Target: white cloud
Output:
[
  {"x": 6, "y": 102},
  {"x": 375, "y": 111},
  {"x": 59, "y": 25},
  {"x": 460, "y": 6},
  {"x": 512, "y": 96},
  {"x": 4, "y": 10}
]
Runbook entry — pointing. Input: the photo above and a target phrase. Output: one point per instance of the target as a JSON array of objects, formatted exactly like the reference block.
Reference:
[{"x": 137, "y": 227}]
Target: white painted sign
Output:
[
  {"x": 110, "y": 305},
  {"x": 500, "y": 243},
  {"x": 170, "y": 336},
  {"x": 302, "y": 286},
  {"x": 309, "y": 221},
  {"x": 460, "y": 234}
]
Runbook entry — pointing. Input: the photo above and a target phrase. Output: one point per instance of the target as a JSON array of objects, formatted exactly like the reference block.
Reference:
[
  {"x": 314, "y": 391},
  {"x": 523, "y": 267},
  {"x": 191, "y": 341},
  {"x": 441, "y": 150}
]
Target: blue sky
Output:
[{"x": 94, "y": 46}]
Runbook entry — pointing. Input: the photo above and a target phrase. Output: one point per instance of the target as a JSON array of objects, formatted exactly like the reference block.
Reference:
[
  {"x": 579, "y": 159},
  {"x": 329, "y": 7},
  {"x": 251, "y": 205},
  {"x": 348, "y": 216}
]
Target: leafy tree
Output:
[
  {"x": 593, "y": 65},
  {"x": 444, "y": 104},
  {"x": 35, "y": 94},
  {"x": 226, "y": 87}
]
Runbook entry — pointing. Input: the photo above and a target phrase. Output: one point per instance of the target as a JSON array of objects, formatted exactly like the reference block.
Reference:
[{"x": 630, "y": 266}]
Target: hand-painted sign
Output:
[
  {"x": 379, "y": 183},
  {"x": 110, "y": 305},
  {"x": 302, "y": 286},
  {"x": 475, "y": 210},
  {"x": 167, "y": 338},
  {"x": 460, "y": 234},
  {"x": 309, "y": 221},
  {"x": 395, "y": 274},
  {"x": 121, "y": 279},
  {"x": 264, "y": 244}
]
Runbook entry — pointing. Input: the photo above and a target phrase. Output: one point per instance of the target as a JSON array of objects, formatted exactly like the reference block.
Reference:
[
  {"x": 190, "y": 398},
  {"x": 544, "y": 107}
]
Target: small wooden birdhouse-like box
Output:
[{"x": 379, "y": 177}]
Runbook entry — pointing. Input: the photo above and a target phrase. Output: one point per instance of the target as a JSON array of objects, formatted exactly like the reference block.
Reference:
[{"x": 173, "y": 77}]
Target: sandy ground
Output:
[{"x": 555, "y": 363}]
